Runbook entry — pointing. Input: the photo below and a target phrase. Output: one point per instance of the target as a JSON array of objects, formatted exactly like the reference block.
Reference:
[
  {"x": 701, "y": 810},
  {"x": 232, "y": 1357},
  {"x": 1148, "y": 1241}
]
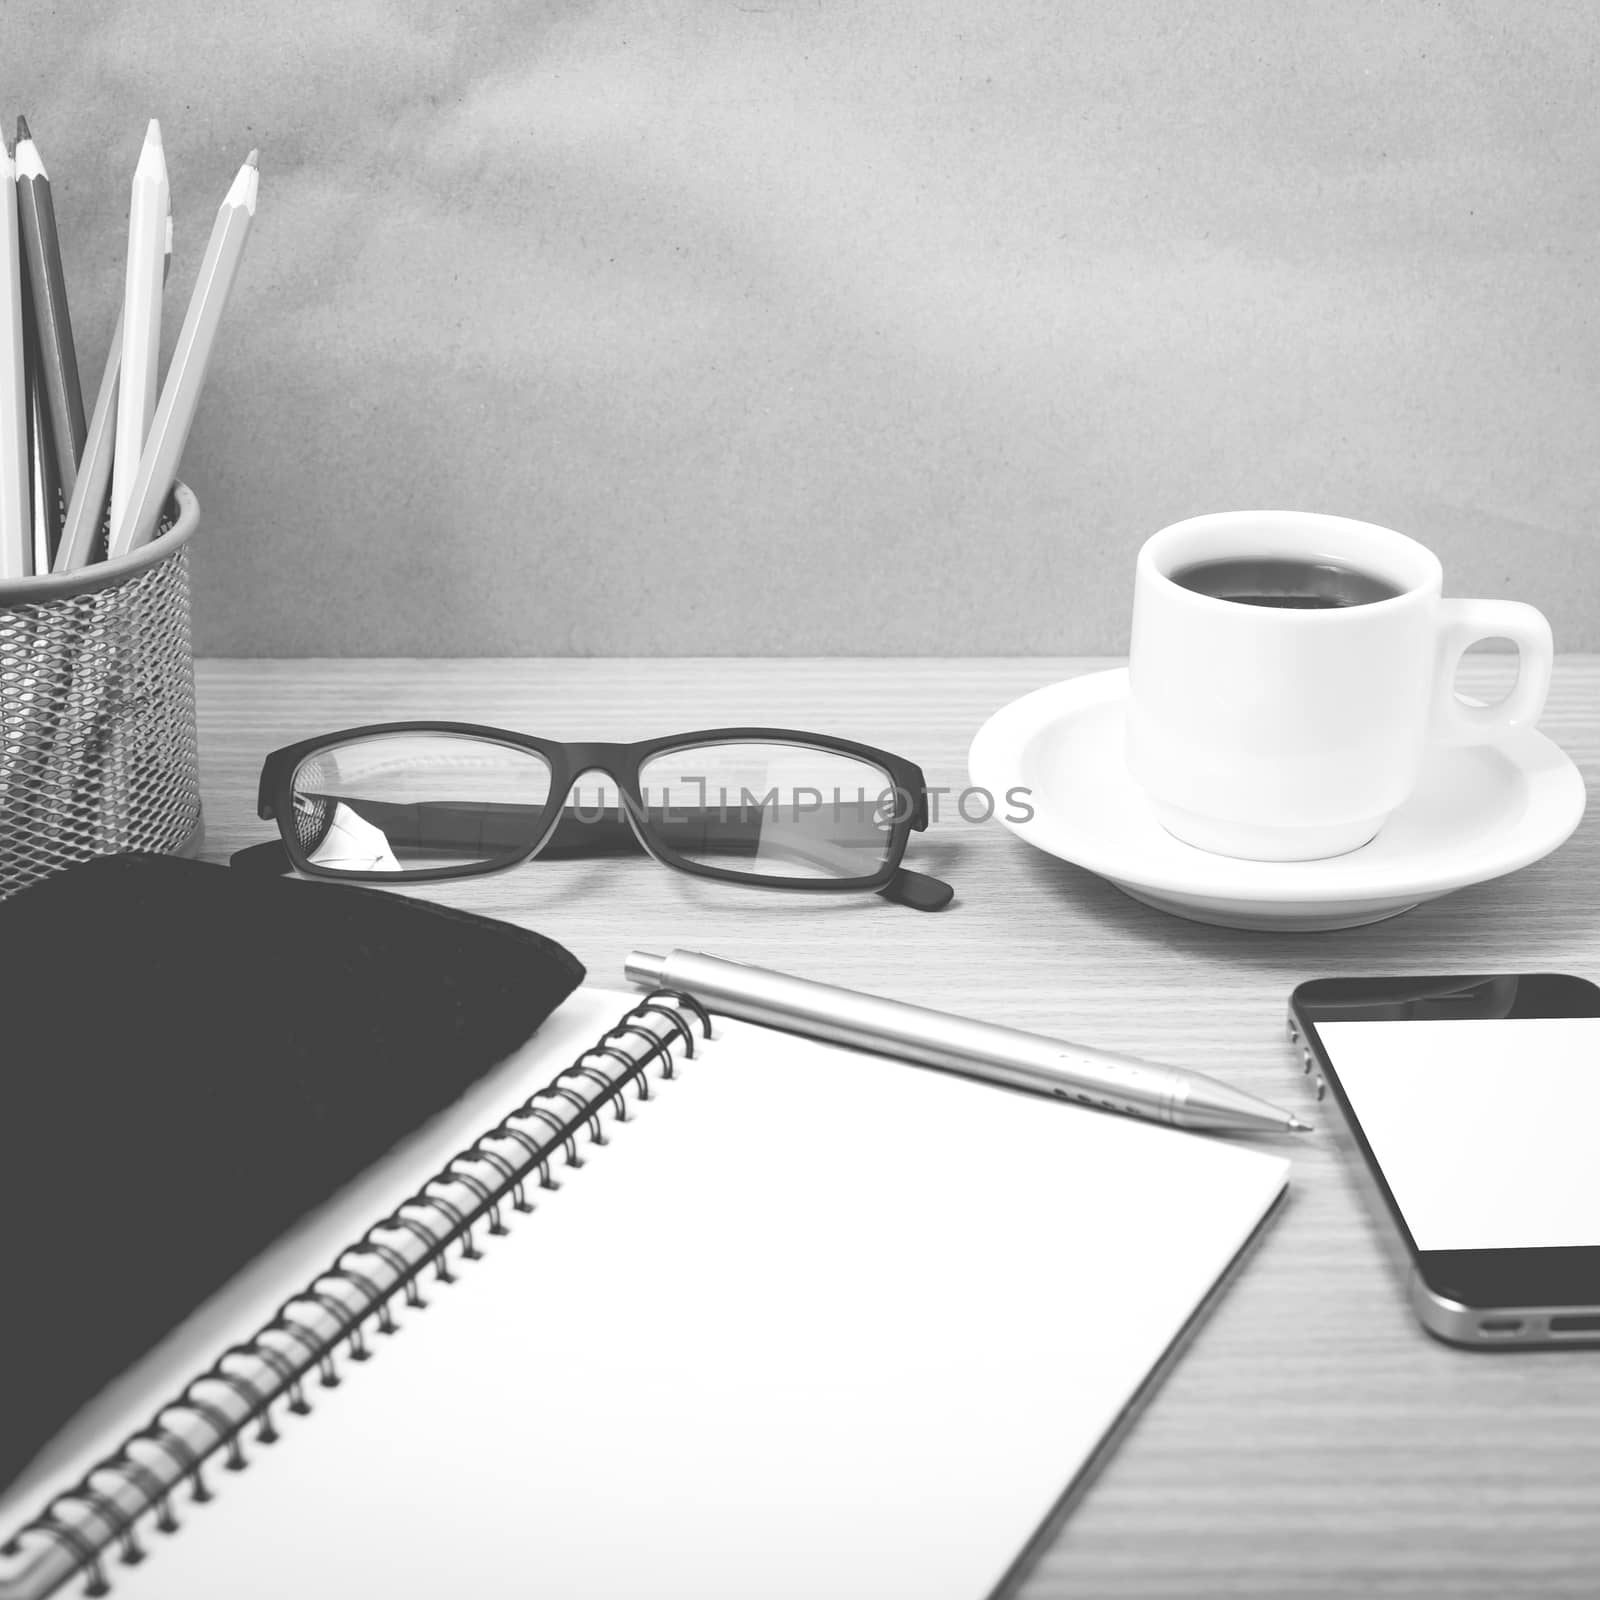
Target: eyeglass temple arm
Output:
[{"x": 917, "y": 890}]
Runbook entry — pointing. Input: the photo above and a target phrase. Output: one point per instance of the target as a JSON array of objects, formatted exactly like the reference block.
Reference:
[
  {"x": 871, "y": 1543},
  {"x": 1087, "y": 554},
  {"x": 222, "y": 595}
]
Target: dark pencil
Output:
[
  {"x": 45, "y": 505},
  {"x": 60, "y": 391},
  {"x": 16, "y": 512}
]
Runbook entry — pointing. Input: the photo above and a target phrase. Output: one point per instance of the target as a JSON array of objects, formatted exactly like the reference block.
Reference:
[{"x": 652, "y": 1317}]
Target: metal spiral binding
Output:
[{"x": 309, "y": 1330}]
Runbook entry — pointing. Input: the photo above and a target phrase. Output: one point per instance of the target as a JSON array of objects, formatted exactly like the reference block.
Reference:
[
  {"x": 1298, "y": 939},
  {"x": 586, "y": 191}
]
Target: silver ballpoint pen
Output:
[{"x": 974, "y": 1049}]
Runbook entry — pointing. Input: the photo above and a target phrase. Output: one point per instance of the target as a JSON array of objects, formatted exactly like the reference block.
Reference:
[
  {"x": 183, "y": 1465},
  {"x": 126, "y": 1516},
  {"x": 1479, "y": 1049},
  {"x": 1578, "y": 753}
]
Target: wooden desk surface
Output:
[{"x": 1313, "y": 1441}]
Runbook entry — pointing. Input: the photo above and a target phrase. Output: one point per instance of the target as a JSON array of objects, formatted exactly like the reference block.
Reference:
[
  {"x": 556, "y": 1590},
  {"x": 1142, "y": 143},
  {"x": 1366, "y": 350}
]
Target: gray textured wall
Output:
[{"x": 811, "y": 326}]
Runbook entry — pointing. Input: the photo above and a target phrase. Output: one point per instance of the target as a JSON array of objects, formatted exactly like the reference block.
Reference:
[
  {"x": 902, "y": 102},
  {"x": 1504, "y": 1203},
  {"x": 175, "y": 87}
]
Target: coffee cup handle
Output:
[{"x": 1462, "y": 624}]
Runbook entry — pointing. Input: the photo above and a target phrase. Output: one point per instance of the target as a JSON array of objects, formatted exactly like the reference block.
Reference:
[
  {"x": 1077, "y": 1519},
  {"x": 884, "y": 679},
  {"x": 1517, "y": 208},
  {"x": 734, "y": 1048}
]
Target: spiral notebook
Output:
[{"x": 745, "y": 1316}]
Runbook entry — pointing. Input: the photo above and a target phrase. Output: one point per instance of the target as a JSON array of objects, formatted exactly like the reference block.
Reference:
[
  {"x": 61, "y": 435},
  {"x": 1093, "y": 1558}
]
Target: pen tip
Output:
[
  {"x": 22, "y": 130},
  {"x": 152, "y": 134},
  {"x": 1297, "y": 1126}
]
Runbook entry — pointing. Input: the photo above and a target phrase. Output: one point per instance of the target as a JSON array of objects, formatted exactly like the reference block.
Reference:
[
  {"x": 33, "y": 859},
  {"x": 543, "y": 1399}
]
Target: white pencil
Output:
[
  {"x": 16, "y": 508},
  {"x": 87, "y": 510},
  {"x": 191, "y": 356},
  {"x": 141, "y": 318}
]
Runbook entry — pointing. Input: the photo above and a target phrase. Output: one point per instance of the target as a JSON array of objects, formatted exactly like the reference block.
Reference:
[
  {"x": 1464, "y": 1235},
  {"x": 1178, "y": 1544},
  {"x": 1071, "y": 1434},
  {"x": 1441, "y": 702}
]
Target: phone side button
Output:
[
  {"x": 1576, "y": 1322},
  {"x": 1499, "y": 1327}
]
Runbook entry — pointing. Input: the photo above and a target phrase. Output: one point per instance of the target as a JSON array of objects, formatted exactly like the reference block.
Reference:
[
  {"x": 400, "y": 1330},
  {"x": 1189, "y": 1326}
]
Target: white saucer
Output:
[{"x": 1478, "y": 811}]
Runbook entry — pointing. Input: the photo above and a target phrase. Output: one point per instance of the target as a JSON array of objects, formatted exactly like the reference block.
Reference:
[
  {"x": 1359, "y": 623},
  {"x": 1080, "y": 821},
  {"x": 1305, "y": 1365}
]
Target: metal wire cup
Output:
[{"x": 98, "y": 750}]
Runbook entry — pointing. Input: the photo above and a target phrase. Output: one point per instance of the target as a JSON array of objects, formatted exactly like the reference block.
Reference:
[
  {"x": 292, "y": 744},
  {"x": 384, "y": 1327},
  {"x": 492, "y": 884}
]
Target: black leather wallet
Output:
[{"x": 190, "y": 1060}]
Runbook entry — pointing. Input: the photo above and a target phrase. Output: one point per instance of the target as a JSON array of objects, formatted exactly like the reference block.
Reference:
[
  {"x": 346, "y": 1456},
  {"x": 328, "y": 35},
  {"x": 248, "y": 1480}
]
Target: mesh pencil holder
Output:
[{"x": 98, "y": 751}]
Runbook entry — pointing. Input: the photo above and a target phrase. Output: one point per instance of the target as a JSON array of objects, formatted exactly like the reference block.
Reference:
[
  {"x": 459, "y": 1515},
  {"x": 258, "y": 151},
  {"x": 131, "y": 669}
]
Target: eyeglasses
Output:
[{"x": 416, "y": 801}]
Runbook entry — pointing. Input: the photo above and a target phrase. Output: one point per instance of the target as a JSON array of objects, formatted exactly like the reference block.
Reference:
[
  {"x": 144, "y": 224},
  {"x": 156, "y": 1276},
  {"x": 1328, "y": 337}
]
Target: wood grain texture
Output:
[{"x": 1313, "y": 1442}]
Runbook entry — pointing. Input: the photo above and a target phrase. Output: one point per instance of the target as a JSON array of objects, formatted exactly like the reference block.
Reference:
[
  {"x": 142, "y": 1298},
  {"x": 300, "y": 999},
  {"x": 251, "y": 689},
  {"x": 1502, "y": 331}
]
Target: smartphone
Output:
[{"x": 1473, "y": 1106}]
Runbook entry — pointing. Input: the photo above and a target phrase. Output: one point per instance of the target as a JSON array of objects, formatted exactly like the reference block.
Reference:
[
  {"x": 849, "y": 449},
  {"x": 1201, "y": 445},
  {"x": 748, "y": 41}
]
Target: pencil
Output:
[
  {"x": 45, "y": 500},
  {"x": 191, "y": 356},
  {"x": 141, "y": 319},
  {"x": 86, "y": 512},
  {"x": 53, "y": 345},
  {"x": 16, "y": 512}
]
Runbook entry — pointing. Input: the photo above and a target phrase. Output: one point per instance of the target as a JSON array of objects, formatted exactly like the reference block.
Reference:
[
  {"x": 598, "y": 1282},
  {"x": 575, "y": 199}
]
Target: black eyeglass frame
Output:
[{"x": 621, "y": 763}]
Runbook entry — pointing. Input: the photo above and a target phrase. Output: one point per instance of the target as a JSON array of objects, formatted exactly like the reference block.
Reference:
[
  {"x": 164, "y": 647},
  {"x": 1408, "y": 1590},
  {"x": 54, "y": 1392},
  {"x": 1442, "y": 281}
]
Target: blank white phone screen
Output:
[{"x": 1487, "y": 1131}]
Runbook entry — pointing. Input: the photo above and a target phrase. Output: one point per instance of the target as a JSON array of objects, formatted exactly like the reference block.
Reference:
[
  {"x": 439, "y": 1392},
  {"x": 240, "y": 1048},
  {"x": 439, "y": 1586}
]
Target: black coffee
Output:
[{"x": 1286, "y": 582}]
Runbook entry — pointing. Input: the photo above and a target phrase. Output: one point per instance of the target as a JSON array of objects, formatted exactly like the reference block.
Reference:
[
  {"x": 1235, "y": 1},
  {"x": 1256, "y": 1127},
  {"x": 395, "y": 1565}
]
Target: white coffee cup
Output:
[{"x": 1292, "y": 734}]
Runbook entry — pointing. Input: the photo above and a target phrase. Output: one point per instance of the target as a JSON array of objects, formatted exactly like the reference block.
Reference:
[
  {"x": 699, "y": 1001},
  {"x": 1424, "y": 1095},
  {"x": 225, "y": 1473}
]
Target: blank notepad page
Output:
[{"x": 811, "y": 1323}]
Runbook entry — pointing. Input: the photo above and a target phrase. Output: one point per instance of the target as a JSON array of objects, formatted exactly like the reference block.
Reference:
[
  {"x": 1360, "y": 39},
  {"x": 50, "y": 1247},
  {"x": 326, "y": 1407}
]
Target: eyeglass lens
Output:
[
  {"x": 412, "y": 802},
  {"x": 771, "y": 810}
]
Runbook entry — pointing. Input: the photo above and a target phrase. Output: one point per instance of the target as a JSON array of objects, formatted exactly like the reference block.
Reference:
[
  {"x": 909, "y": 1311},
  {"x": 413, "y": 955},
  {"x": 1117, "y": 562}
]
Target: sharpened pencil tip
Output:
[
  {"x": 253, "y": 159},
  {"x": 152, "y": 134},
  {"x": 29, "y": 166},
  {"x": 1297, "y": 1126}
]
